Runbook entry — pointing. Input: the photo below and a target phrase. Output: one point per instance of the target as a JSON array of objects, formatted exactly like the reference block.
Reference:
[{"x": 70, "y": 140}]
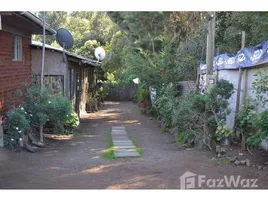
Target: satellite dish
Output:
[
  {"x": 99, "y": 53},
  {"x": 64, "y": 38}
]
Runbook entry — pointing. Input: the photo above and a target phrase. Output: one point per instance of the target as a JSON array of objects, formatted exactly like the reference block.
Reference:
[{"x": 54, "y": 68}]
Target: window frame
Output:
[{"x": 17, "y": 48}]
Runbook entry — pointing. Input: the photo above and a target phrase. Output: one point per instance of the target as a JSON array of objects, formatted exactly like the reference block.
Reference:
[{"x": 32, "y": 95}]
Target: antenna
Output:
[
  {"x": 99, "y": 53},
  {"x": 65, "y": 39}
]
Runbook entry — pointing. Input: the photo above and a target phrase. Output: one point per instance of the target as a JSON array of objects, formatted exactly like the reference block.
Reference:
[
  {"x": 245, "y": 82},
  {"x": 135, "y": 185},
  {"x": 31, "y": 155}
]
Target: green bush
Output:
[
  {"x": 15, "y": 124},
  {"x": 187, "y": 113},
  {"x": 54, "y": 112},
  {"x": 72, "y": 122},
  {"x": 262, "y": 133}
]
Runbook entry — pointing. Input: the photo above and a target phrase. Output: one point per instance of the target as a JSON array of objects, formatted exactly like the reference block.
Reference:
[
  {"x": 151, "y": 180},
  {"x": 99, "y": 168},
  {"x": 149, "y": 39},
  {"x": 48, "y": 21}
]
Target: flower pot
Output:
[
  {"x": 143, "y": 107},
  {"x": 225, "y": 141}
]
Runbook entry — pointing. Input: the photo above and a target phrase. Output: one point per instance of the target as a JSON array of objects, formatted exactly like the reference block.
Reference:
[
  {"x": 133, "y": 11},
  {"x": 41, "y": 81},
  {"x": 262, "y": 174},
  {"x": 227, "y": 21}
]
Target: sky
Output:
[{"x": 136, "y": 5}]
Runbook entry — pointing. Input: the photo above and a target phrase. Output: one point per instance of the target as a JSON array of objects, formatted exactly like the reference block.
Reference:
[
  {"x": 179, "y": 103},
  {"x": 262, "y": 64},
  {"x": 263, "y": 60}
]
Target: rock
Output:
[
  {"x": 151, "y": 118},
  {"x": 29, "y": 148},
  {"x": 240, "y": 154},
  {"x": 233, "y": 159},
  {"x": 266, "y": 163},
  {"x": 223, "y": 150},
  {"x": 259, "y": 167},
  {"x": 20, "y": 142},
  {"x": 243, "y": 162},
  {"x": 218, "y": 149},
  {"x": 247, "y": 162},
  {"x": 263, "y": 154},
  {"x": 237, "y": 162},
  {"x": 219, "y": 155},
  {"x": 37, "y": 143},
  {"x": 264, "y": 167}
]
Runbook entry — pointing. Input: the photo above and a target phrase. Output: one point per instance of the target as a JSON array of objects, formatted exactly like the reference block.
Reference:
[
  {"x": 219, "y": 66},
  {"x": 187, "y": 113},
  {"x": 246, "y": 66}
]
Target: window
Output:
[{"x": 17, "y": 48}]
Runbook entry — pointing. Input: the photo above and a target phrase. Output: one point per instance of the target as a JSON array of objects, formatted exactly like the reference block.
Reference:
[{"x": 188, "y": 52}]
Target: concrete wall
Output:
[{"x": 246, "y": 88}]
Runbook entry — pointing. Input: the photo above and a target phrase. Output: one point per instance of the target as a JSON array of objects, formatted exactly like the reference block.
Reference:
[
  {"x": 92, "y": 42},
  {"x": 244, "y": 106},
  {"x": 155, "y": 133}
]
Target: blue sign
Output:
[{"x": 244, "y": 58}]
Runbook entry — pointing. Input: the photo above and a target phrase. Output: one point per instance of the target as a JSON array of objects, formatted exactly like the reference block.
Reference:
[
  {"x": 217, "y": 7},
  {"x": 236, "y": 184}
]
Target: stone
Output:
[
  {"x": 218, "y": 149},
  {"x": 240, "y": 154},
  {"x": 247, "y": 162},
  {"x": 266, "y": 163},
  {"x": 123, "y": 146},
  {"x": 223, "y": 150},
  {"x": 237, "y": 162},
  {"x": 151, "y": 118},
  {"x": 122, "y": 154},
  {"x": 259, "y": 167},
  {"x": 219, "y": 155},
  {"x": 243, "y": 162},
  {"x": 233, "y": 159}
]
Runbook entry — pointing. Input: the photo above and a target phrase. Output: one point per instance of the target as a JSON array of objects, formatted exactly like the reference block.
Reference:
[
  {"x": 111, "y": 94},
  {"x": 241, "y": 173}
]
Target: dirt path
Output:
[{"x": 79, "y": 163}]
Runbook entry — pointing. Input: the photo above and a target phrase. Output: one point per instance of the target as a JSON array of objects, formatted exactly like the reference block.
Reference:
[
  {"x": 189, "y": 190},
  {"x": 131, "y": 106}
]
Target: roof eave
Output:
[{"x": 39, "y": 22}]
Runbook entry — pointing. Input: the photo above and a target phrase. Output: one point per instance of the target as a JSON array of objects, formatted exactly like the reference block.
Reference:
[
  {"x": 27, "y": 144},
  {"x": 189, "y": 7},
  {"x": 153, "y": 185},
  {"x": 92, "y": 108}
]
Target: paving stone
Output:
[
  {"x": 126, "y": 154},
  {"x": 123, "y": 146}
]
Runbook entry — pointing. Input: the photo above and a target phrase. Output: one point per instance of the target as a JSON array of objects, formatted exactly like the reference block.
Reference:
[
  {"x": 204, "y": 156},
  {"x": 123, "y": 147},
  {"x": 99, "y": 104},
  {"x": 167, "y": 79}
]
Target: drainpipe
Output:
[{"x": 38, "y": 21}]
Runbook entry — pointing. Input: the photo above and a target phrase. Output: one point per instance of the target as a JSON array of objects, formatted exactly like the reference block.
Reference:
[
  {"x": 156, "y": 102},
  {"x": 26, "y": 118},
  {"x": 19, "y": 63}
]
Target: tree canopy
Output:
[{"x": 157, "y": 47}]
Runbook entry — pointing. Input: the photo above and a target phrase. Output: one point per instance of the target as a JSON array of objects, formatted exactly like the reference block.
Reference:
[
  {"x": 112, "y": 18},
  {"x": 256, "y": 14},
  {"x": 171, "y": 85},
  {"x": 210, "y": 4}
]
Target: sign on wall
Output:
[{"x": 244, "y": 58}]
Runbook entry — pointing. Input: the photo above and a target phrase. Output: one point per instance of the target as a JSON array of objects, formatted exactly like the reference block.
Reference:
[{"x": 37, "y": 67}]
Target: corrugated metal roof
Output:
[{"x": 82, "y": 58}]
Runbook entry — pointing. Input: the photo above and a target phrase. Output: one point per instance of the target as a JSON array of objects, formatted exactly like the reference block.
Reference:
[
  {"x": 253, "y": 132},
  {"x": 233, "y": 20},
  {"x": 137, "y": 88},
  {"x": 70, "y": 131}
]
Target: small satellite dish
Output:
[
  {"x": 99, "y": 53},
  {"x": 64, "y": 38}
]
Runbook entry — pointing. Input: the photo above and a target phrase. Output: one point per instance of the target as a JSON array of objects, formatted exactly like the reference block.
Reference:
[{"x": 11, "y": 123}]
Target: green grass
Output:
[
  {"x": 138, "y": 149},
  {"x": 109, "y": 153}
]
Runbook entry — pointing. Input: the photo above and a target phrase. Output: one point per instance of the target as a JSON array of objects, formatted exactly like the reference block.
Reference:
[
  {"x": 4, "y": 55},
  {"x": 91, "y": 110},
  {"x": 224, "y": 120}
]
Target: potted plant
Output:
[
  {"x": 142, "y": 99},
  {"x": 223, "y": 133}
]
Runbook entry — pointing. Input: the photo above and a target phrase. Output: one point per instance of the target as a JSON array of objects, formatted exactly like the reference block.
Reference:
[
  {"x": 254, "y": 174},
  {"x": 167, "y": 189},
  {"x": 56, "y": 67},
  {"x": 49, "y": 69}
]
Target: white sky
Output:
[{"x": 136, "y": 5}]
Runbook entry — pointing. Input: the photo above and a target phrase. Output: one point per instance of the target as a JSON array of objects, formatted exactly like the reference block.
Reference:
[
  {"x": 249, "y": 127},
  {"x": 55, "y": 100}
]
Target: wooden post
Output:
[
  {"x": 239, "y": 78},
  {"x": 210, "y": 48},
  {"x": 42, "y": 68},
  {"x": 1, "y": 133},
  {"x": 209, "y": 59}
]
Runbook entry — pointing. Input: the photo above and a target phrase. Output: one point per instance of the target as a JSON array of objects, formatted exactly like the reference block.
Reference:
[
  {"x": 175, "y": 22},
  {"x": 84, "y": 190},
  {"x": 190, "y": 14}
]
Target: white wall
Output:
[{"x": 246, "y": 88}]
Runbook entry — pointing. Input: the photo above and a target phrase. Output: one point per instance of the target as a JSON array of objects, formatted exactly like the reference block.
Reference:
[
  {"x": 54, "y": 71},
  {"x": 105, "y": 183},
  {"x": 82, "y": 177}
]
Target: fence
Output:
[{"x": 122, "y": 92}]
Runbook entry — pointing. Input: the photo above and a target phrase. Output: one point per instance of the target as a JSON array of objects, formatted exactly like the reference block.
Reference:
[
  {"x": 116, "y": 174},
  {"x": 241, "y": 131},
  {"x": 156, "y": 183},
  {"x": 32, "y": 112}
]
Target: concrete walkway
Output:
[{"x": 123, "y": 146}]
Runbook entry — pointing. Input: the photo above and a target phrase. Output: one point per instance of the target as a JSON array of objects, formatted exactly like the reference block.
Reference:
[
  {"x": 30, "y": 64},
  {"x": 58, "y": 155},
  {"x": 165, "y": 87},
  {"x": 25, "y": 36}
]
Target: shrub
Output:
[
  {"x": 15, "y": 124},
  {"x": 262, "y": 133},
  {"x": 52, "y": 111},
  {"x": 72, "y": 122},
  {"x": 187, "y": 114}
]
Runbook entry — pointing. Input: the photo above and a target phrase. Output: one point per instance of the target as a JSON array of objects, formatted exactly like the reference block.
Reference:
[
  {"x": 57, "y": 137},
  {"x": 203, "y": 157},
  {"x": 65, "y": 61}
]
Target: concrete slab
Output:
[
  {"x": 123, "y": 146},
  {"x": 126, "y": 154}
]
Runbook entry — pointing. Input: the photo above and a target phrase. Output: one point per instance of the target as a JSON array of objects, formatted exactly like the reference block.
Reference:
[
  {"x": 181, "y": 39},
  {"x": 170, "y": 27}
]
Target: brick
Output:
[{"x": 12, "y": 73}]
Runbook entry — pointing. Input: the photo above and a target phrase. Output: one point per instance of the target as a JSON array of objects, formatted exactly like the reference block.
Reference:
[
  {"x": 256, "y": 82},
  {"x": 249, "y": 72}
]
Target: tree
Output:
[{"x": 55, "y": 20}]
